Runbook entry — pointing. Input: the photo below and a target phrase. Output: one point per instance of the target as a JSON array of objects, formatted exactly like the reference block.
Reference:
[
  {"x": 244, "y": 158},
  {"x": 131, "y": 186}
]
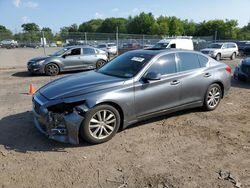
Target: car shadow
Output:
[
  {"x": 240, "y": 84},
  {"x": 25, "y": 74},
  {"x": 166, "y": 116},
  {"x": 18, "y": 133}
]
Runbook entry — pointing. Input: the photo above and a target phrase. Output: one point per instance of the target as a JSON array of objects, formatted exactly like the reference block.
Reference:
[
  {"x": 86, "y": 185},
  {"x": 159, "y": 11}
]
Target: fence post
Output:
[
  {"x": 143, "y": 38},
  {"x": 117, "y": 39},
  {"x": 215, "y": 36},
  {"x": 44, "y": 51},
  {"x": 85, "y": 36}
]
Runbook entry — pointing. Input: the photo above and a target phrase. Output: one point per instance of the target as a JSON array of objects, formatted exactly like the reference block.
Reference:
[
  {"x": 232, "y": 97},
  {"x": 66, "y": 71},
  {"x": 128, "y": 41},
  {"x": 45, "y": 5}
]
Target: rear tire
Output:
[
  {"x": 233, "y": 56},
  {"x": 52, "y": 69},
  {"x": 218, "y": 57},
  {"x": 213, "y": 97},
  {"x": 100, "y": 124},
  {"x": 100, "y": 63}
]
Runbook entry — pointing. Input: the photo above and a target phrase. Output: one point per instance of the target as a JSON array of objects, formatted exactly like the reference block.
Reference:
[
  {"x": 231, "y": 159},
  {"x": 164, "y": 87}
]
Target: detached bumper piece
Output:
[{"x": 59, "y": 127}]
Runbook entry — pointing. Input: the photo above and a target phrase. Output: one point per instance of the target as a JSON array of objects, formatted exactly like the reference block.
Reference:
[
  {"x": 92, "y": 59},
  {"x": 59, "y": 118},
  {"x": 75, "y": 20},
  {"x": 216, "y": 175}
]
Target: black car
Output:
[
  {"x": 244, "y": 47},
  {"x": 242, "y": 71}
]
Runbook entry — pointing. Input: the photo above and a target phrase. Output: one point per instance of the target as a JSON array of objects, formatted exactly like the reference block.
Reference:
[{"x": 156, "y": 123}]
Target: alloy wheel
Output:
[
  {"x": 52, "y": 69},
  {"x": 213, "y": 97},
  {"x": 102, "y": 124}
]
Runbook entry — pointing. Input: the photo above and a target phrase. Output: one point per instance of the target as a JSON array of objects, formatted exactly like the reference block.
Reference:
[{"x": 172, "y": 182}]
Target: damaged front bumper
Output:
[{"x": 62, "y": 127}]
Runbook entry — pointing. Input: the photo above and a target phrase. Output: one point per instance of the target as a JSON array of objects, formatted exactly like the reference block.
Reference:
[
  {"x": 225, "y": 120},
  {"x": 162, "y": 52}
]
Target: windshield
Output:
[
  {"x": 215, "y": 45},
  {"x": 160, "y": 45},
  {"x": 126, "y": 65},
  {"x": 60, "y": 52}
]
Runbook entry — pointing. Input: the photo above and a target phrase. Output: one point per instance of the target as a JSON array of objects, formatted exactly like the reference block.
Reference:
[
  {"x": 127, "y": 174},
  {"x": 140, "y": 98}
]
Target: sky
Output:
[{"x": 58, "y": 13}]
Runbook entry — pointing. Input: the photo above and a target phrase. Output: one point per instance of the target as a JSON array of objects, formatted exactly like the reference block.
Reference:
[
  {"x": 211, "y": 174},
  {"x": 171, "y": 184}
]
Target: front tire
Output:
[
  {"x": 218, "y": 57},
  {"x": 233, "y": 56},
  {"x": 52, "y": 69},
  {"x": 100, "y": 124},
  {"x": 213, "y": 97}
]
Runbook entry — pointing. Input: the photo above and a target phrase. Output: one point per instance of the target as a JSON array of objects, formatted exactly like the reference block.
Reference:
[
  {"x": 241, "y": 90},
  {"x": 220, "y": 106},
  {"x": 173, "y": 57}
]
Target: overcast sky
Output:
[{"x": 58, "y": 13}]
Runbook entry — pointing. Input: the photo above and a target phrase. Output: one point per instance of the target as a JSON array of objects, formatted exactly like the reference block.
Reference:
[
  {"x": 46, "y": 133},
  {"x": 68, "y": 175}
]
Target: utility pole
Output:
[
  {"x": 44, "y": 51},
  {"x": 143, "y": 39},
  {"x": 85, "y": 36},
  {"x": 215, "y": 36},
  {"x": 117, "y": 39}
]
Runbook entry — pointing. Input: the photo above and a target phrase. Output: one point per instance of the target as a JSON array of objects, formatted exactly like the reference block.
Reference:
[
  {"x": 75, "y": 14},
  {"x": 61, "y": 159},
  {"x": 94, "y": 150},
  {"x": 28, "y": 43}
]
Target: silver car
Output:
[
  {"x": 221, "y": 50},
  {"x": 68, "y": 59},
  {"x": 132, "y": 87},
  {"x": 110, "y": 48}
]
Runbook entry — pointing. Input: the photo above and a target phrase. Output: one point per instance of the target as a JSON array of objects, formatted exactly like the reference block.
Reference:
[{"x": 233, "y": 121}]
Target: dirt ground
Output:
[
  {"x": 17, "y": 58},
  {"x": 185, "y": 149}
]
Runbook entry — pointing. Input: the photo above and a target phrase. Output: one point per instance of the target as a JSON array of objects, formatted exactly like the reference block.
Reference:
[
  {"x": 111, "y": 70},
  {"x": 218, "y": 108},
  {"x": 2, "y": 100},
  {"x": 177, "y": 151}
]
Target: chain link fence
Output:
[{"x": 124, "y": 42}]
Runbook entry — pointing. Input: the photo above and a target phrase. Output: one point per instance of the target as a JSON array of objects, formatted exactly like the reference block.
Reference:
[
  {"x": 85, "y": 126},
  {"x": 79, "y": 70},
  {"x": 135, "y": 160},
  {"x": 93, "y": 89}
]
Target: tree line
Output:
[{"x": 144, "y": 23}]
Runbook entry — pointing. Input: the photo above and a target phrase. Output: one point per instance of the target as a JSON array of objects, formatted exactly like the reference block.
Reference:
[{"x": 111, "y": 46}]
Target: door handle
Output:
[
  {"x": 207, "y": 75},
  {"x": 175, "y": 82}
]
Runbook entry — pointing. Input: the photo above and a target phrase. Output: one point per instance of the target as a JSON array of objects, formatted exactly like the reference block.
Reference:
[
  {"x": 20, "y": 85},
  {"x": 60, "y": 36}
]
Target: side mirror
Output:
[
  {"x": 66, "y": 54},
  {"x": 152, "y": 76}
]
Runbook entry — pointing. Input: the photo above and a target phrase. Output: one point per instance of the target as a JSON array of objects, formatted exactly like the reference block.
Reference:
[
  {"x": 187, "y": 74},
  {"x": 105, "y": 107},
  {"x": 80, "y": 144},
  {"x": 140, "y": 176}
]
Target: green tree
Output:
[
  {"x": 29, "y": 27},
  {"x": 5, "y": 33},
  {"x": 244, "y": 32},
  {"x": 189, "y": 28},
  {"x": 225, "y": 29},
  {"x": 163, "y": 22},
  {"x": 141, "y": 24},
  {"x": 176, "y": 26},
  {"x": 70, "y": 32},
  {"x": 109, "y": 25},
  {"x": 31, "y": 32},
  {"x": 90, "y": 26},
  {"x": 48, "y": 34}
]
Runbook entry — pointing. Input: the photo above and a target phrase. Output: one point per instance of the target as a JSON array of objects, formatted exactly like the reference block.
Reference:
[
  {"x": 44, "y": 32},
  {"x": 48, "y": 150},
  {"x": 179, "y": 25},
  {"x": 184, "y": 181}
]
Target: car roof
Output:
[
  {"x": 223, "y": 43},
  {"x": 155, "y": 52},
  {"x": 79, "y": 46}
]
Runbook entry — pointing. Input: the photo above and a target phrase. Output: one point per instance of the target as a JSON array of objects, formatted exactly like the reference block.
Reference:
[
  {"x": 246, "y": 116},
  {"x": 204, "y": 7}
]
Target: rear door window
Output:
[
  {"x": 203, "y": 60},
  {"x": 166, "y": 64},
  {"x": 88, "y": 51},
  {"x": 188, "y": 61}
]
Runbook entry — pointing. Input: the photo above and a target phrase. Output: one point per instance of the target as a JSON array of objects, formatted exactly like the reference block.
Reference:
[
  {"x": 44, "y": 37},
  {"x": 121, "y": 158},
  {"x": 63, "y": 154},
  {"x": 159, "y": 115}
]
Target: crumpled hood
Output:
[{"x": 79, "y": 84}]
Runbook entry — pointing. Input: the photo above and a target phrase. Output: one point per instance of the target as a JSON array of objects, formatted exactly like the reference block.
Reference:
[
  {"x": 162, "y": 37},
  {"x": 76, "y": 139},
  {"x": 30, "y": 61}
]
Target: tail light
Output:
[{"x": 228, "y": 69}]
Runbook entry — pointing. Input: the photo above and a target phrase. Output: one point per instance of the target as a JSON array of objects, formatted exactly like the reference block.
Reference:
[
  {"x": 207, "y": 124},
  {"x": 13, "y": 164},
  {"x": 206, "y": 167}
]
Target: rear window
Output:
[
  {"x": 101, "y": 46},
  {"x": 111, "y": 45},
  {"x": 88, "y": 51},
  {"x": 188, "y": 61},
  {"x": 160, "y": 45},
  {"x": 231, "y": 46}
]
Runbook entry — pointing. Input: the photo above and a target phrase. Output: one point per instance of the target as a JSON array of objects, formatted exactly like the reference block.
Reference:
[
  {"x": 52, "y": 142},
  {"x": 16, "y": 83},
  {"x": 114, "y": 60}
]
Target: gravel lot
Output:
[
  {"x": 184, "y": 149},
  {"x": 17, "y": 58}
]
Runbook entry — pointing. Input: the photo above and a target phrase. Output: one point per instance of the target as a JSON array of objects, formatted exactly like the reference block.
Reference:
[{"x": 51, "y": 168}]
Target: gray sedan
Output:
[
  {"x": 68, "y": 59},
  {"x": 132, "y": 87}
]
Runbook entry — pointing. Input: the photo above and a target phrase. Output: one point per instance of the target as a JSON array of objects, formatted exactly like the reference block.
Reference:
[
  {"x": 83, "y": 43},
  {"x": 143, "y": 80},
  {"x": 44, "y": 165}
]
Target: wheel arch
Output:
[
  {"x": 117, "y": 107},
  {"x": 53, "y": 62},
  {"x": 221, "y": 86}
]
